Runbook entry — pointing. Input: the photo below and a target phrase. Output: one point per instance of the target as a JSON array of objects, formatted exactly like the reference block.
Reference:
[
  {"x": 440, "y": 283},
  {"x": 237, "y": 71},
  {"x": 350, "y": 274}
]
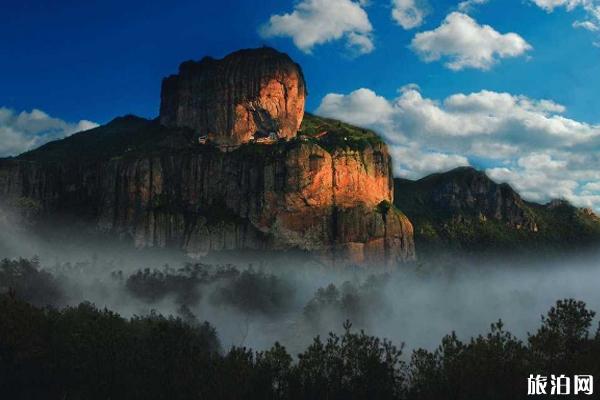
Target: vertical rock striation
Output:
[
  {"x": 288, "y": 196},
  {"x": 328, "y": 192},
  {"x": 247, "y": 93}
]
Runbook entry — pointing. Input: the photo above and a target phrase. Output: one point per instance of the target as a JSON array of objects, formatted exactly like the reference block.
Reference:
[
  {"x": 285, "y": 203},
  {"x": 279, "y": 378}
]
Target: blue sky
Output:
[{"x": 529, "y": 65}]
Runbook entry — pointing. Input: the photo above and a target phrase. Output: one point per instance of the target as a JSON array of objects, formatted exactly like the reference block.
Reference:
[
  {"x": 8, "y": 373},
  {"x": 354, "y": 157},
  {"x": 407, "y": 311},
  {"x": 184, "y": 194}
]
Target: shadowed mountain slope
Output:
[{"x": 463, "y": 209}]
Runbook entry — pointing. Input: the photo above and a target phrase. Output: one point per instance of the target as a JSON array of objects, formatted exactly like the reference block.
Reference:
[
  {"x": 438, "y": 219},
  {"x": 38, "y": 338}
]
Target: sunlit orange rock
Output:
[
  {"x": 248, "y": 93},
  {"x": 328, "y": 192}
]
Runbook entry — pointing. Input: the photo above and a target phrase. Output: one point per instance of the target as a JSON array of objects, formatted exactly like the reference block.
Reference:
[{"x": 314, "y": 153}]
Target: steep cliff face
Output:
[
  {"x": 302, "y": 194},
  {"x": 328, "y": 191},
  {"x": 248, "y": 93}
]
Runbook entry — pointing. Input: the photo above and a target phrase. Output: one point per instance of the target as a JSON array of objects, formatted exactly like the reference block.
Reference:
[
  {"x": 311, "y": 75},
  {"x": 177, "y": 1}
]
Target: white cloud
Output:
[
  {"x": 465, "y": 44},
  {"x": 314, "y": 22},
  {"x": 592, "y": 187},
  {"x": 413, "y": 162},
  {"x": 554, "y": 175},
  {"x": 550, "y": 5},
  {"x": 533, "y": 145},
  {"x": 362, "y": 107},
  {"x": 535, "y": 184},
  {"x": 590, "y": 7},
  {"x": 409, "y": 14},
  {"x": 24, "y": 131},
  {"x": 467, "y": 5},
  {"x": 587, "y": 25},
  {"x": 493, "y": 151}
]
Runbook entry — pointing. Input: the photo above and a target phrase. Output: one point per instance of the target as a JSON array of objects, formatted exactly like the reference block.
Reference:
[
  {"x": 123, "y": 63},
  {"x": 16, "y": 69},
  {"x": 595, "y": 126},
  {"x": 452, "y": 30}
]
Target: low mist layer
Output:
[
  {"x": 255, "y": 300},
  {"x": 257, "y": 305}
]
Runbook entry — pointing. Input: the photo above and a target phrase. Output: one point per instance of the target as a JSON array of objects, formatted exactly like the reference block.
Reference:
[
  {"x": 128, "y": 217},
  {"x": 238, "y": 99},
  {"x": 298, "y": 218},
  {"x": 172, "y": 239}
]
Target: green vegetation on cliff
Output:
[
  {"x": 122, "y": 137},
  {"x": 131, "y": 136},
  {"x": 465, "y": 210},
  {"x": 331, "y": 133}
]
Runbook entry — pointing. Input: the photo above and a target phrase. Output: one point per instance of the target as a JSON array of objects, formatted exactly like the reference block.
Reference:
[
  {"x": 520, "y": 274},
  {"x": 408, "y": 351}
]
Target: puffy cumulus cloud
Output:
[
  {"x": 491, "y": 116},
  {"x": 535, "y": 185},
  {"x": 314, "y": 22},
  {"x": 409, "y": 14},
  {"x": 554, "y": 175},
  {"x": 361, "y": 107},
  {"x": 467, "y": 5},
  {"x": 465, "y": 44},
  {"x": 414, "y": 162},
  {"x": 529, "y": 142},
  {"x": 24, "y": 131}
]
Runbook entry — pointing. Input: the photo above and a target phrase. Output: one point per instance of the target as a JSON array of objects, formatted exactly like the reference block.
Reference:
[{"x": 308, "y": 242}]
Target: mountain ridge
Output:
[{"x": 463, "y": 209}]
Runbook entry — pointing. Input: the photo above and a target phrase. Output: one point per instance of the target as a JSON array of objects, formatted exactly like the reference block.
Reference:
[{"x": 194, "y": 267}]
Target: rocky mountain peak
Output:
[
  {"x": 467, "y": 191},
  {"x": 590, "y": 213},
  {"x": 251, "y": 92},
  {"x": 557, "y": 203},
  {"x": 465, "y": 194}
]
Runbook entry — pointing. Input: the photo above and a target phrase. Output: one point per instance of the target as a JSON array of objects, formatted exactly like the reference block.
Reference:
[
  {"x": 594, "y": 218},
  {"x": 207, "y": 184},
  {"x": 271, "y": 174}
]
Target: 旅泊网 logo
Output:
[{"x": 560, "y": 385}]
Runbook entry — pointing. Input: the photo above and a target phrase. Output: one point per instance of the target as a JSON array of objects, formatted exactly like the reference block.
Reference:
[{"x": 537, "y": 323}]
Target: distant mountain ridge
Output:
[{"x": 463, "y": 209}]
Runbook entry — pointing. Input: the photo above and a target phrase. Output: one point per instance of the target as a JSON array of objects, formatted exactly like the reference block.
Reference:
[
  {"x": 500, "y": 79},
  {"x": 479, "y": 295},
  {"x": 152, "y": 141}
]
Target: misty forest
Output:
[
  {"x": 225, "y": 332},
  {"x": 238, "y": 247}
]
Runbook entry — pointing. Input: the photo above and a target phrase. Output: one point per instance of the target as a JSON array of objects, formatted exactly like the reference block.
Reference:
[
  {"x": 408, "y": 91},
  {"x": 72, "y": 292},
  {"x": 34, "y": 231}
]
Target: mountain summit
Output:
[
  {"x": 326, "y": 188},
  {"x": 246, "y": 95}
]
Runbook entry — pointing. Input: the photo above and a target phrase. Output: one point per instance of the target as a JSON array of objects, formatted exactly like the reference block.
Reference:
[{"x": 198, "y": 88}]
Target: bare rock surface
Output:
[{"x": 248, "y": 93}]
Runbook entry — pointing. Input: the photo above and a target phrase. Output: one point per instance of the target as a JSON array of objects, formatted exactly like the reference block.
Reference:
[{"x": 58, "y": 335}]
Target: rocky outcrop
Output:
[
  {"x": 246, "y": 94},
  {"x": 289, "y": 195},
  {"x": 589, "y": 213},
  {"x": 328, "y": 192}
]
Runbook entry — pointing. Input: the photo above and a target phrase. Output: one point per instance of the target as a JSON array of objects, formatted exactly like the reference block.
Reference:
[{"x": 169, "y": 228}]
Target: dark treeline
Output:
[
  {"x": 332, "y": 305},
  {"x": 85, "y": 353},
  {"x": 32, "y": 283},
  {"x": 249, "y": 290},
  {"x": 82, "y": 352}
]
